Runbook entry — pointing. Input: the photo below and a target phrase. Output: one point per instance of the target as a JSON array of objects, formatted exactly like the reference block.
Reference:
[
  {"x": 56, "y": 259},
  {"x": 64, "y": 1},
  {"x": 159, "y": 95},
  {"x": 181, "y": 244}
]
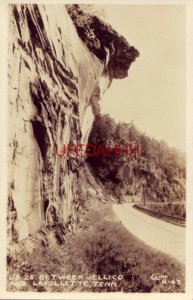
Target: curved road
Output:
[{"x": 156, "y": 233}]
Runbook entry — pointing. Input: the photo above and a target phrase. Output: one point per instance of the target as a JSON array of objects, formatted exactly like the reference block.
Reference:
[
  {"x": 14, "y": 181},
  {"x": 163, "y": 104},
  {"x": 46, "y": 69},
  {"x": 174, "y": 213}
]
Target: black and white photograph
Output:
[{"x": 96, "y": 149}]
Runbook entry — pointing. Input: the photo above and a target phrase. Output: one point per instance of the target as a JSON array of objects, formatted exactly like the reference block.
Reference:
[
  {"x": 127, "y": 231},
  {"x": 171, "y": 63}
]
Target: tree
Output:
[{"x": 94, "y": 10}]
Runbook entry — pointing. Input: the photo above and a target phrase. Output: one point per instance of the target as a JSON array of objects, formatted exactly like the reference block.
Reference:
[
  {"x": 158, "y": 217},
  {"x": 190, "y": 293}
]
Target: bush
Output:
[{"x": 172, "y": 210}]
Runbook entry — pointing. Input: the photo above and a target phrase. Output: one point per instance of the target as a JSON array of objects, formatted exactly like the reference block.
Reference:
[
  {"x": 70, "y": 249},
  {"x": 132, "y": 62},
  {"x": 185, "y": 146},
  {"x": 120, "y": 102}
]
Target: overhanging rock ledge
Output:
[{"x": 58, "y": 70}]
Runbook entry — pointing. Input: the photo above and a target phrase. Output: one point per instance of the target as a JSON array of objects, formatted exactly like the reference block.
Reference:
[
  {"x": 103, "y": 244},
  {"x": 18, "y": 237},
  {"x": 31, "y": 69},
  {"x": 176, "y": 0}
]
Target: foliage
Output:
[
  {"x": 160, "y": 167},
  {"x": 101, "y": 246},
  {"x": 94, "y": 10},
  {"x": 172, "y": 210}
]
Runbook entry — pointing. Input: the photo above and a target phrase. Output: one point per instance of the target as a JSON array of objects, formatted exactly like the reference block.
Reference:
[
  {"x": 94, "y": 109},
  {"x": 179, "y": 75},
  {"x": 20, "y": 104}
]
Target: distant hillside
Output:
[{"x": 158, "y": 174}]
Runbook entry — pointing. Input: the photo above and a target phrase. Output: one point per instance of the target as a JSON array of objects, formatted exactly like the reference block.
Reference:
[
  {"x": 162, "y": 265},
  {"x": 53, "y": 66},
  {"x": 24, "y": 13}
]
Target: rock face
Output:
[
  {"x": 144, "y": 168},
  {"x": 56, "y": 79},
  {"x": 104, "y": 42}
]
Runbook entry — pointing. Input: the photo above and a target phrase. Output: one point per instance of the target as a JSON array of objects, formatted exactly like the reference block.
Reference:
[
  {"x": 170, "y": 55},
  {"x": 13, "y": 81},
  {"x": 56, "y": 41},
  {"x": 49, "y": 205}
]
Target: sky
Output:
[{"x": 154, "y": 93}]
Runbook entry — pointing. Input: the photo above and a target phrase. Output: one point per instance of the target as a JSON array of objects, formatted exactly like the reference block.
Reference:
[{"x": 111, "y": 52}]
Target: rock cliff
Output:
[
  {"x": 58, "y": 72},
  {"x": 151, "y": 169}
]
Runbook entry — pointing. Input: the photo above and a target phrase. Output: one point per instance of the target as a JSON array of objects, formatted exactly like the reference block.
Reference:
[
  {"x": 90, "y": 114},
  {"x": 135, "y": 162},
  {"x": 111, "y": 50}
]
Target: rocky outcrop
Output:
[
  {"x": 55, "y": 82},
  {"x": 143, "y": 167},
  {"x": 104, "y": 42},
  {"x": 138, "y": 178}
]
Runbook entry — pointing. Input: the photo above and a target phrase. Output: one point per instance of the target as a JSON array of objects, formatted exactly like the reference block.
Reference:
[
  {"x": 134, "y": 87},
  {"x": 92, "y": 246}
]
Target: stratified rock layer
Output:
[{"x": 54, "y": 88}]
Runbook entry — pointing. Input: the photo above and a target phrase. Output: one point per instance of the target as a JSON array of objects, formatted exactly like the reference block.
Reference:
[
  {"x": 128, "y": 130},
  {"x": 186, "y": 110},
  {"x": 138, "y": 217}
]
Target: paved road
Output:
[{"x": 156, "y": 233}]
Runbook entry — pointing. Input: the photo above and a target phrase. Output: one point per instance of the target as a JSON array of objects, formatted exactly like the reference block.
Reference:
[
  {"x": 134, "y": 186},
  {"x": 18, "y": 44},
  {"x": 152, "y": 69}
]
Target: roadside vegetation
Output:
[
  {"x": 100, "y": 246},
  {"x": 176, "y": 212}
]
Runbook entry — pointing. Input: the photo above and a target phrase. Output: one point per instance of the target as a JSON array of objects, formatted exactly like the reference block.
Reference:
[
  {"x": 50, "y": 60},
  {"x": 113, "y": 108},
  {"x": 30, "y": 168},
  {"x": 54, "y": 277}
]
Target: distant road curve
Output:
[{"x": 156, "y": 233}]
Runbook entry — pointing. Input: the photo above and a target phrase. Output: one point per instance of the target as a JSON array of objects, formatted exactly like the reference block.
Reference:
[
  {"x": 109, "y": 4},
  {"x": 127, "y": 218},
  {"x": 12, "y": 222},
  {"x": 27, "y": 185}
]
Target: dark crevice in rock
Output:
[
  {"x": 42, "y": 30},
  {"x": 46, "y": 203},
  {"x": 34, "y": 91},
  {"x": 38, "y": 16},
  {"x": 61, "y": 73},
  {"x": 26, "y": 64},
  {"x": 12, "y": 214},
  {"x": 17, "y": 18},
  {"x": 40, "y": 134},
  {"x": 34, "y": 35}
]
